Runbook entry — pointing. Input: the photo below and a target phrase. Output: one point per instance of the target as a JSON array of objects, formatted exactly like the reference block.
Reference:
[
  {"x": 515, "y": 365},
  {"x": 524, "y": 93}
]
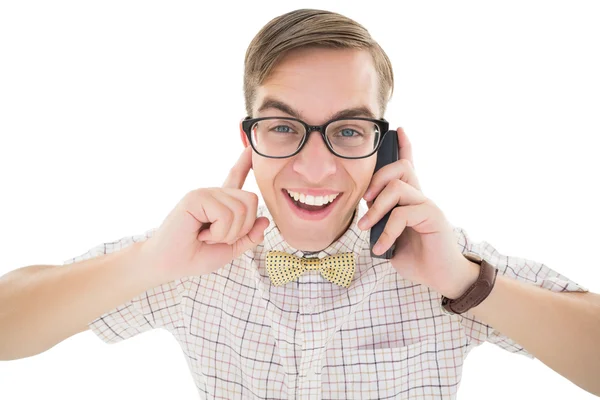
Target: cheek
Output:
[
  {"x": 265, "y": 170},
  {"x": 361, "y": 172}
]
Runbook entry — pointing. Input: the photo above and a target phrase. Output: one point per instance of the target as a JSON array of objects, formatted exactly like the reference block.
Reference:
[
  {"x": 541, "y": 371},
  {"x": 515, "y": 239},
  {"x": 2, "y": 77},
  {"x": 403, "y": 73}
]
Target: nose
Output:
[{"x": 315, "y": 162}]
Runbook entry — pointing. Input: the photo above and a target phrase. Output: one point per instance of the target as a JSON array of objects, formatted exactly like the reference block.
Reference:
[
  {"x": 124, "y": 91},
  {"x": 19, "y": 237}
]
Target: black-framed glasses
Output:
[{"x": 282, "y": 137}]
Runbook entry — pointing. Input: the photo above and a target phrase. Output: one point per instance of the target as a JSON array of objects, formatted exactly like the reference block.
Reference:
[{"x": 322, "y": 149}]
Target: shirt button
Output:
[
  {"x": 310, "y": 374},
  {"x": 309, "y": 308}
]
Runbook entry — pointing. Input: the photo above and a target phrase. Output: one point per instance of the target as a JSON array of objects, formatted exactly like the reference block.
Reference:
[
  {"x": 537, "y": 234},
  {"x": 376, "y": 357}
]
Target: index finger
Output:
[
  {"x": 239, "y": 171},
  {"x": 404, "y": 146}
]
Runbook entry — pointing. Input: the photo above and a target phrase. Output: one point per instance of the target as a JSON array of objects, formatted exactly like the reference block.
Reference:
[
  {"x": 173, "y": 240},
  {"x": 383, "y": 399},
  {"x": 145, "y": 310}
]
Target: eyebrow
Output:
[{"x": 361, "y": 111}]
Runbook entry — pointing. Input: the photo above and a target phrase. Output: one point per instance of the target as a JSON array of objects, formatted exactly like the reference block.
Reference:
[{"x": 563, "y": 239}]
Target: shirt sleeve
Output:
[
  {"x": 522, "y": 269},
  {"x": 158, "y": 307}
]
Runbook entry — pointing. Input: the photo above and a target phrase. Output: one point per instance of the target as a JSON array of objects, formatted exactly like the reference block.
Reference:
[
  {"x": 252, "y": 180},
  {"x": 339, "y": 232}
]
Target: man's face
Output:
[{"x": 315, "y": 84}]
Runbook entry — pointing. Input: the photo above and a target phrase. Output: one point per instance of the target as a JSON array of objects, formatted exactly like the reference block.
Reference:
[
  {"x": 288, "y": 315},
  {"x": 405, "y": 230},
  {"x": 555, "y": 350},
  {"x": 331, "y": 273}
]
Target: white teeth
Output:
[{"x": 312, "y": 200}]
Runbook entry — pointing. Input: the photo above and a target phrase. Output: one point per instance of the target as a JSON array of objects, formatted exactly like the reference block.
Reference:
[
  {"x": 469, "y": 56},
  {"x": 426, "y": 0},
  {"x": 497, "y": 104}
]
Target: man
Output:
[{"x": 254, "y": 326}]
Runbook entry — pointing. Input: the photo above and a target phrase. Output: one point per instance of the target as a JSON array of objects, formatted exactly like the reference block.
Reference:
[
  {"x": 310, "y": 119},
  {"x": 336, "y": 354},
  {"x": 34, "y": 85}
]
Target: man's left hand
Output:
[{"x": 426, "y": 250}]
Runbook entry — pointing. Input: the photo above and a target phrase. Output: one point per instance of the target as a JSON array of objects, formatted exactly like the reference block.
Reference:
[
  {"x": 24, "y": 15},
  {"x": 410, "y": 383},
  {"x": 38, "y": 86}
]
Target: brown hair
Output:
[{"x": 310, "y": 28}]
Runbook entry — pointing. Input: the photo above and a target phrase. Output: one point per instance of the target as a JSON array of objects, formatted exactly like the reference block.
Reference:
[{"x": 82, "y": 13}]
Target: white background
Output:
[{"x": 111, "y": 111}]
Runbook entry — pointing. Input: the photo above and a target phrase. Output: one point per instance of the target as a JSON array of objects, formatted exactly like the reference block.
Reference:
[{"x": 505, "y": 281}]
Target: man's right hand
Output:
[{"x": 207, "y": 229}]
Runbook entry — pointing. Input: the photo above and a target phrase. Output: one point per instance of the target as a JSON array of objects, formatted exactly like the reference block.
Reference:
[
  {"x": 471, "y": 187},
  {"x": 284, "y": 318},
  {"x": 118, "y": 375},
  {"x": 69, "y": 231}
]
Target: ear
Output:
[{"x": 243, "y": 136}]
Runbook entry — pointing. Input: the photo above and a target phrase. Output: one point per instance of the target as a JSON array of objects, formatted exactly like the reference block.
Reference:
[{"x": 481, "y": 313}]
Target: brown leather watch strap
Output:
[{"x": 478, "y": 290}]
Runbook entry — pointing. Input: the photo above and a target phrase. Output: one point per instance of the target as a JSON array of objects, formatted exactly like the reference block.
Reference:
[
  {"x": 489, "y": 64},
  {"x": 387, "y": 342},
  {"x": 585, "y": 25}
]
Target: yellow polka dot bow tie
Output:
[{"x": 284, "y": 267}]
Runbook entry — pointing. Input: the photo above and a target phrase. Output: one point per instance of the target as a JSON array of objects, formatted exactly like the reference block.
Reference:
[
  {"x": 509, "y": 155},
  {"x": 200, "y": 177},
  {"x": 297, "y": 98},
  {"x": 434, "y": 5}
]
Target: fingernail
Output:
[
  {"x": 378, "y": 248},
  {"x": 367, "y": 195},
  {"x": 364, "y": 221}
]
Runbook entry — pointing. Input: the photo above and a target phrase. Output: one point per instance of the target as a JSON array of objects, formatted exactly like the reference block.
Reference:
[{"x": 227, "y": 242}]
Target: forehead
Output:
[{"x": 319, "y": 82}]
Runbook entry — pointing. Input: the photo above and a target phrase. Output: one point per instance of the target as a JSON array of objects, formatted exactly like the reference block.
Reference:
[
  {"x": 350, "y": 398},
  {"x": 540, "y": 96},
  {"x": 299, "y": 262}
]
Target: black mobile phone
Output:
[{"x": 387, "y": 154}]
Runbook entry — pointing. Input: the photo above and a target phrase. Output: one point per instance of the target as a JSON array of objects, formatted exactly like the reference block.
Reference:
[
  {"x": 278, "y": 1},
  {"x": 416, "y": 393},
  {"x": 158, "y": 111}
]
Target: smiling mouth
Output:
[{"x": 310, "y": 202}]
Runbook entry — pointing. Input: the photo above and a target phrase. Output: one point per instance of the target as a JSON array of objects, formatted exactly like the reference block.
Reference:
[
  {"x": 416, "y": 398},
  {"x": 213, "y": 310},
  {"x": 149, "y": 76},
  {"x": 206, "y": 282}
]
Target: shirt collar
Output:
[{"x": 353, "y": 239}]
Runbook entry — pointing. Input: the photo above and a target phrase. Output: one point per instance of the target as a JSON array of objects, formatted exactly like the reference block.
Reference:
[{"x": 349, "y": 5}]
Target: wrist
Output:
[
  {"x": 477, "y": 292},
  {"x": 146, "y": 267},
  {"x": 469, "y": 275}
]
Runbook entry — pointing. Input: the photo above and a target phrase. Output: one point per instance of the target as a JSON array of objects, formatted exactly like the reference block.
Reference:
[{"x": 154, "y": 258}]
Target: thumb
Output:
[{"x": 253, "y": 238}]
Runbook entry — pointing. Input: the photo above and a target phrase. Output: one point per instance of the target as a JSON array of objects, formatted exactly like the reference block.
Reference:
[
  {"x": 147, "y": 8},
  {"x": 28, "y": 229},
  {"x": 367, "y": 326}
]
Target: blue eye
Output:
[
  {"x": 286, "y": 129},
  {"x": 348, "y": 132}
]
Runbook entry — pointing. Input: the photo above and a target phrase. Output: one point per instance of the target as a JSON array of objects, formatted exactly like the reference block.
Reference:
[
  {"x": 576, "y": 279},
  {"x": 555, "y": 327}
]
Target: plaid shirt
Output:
[{"x": 383, "y": 337}]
